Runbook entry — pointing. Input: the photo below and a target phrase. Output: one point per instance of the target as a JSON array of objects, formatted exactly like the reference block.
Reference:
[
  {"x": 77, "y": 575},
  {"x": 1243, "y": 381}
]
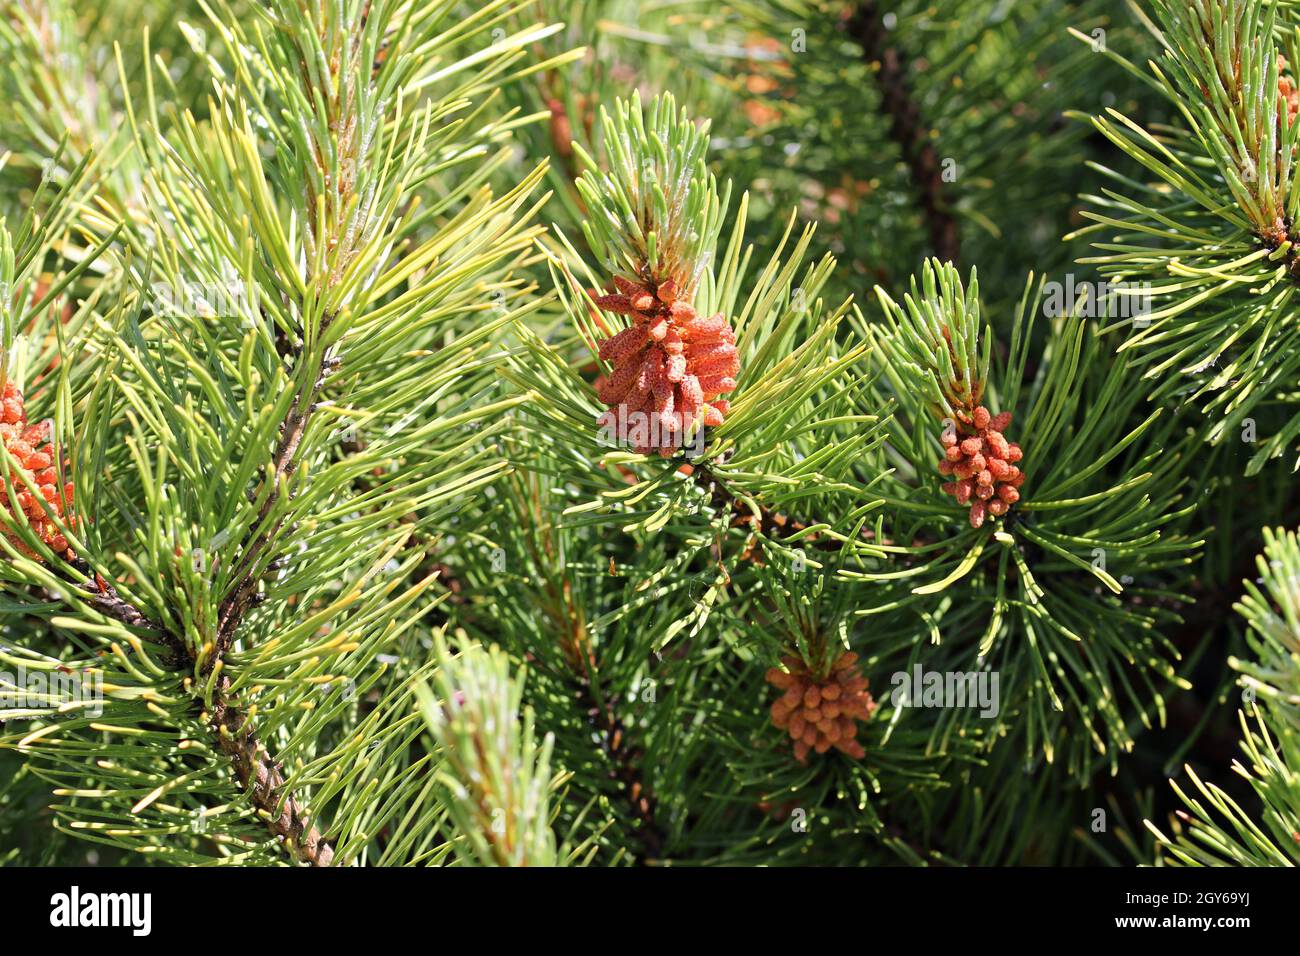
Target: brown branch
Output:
[
  {"x": 627, "y": 760},
  {"x": 568, "y": 619},
  {"x": 283, "y": 464},
  {"x": 906, "y": 127},
  {"x": 110, "y": 603},
  {"x": 259, "y": 773},
  {"x": 262, "y": 778}
]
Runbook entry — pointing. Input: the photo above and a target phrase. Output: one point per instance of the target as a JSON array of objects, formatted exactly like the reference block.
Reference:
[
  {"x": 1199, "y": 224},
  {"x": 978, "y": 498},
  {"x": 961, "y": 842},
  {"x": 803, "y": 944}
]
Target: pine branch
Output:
[
  {"x": 262, "y": 778},
  {"x": 906, "y": 128},
  {"x": 1215, "y": 604},
  {"x": 627, "y": 760},
  {"x": 283, "y": 463},
  {"x": 1216, "y": 260},
  {"x": 1218, "y": 830},
  {"x": 259, "y": 773},
  {"x": 769, "y": 523},
  {"x": 257, "y": 770},
  {"x": 614, "y": 735}
]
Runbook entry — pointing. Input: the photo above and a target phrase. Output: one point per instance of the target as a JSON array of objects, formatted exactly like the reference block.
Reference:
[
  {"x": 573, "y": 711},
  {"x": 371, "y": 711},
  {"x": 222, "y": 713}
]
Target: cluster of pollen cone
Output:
[
  {"x": 670, "y": 367},
  {"x": 983, "y": 463},
  {"x": 29, "y": 447},
  {"x": 821, "y": 714}
]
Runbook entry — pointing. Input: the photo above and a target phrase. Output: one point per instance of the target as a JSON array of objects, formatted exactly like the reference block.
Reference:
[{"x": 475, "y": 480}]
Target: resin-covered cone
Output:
[{"x": 670, "y": 367}]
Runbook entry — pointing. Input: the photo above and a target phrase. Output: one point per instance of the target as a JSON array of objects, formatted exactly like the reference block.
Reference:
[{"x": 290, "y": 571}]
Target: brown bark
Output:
[{"x": 907, "y": 128}]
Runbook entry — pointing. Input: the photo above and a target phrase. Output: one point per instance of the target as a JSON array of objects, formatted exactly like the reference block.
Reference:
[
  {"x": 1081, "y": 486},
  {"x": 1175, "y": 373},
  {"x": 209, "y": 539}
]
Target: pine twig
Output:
[
  {"x": 625, "y": 758},
  {"x": 262, "y": 778},
  {"x": 259, "y": 773},
  {"x": 768, "y": 523},
  {"x": 283, "y": 464}
]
